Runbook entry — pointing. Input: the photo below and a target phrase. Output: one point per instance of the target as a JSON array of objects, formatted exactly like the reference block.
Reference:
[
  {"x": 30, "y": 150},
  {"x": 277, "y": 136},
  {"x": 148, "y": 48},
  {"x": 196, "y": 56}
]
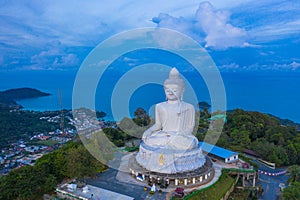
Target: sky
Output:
[{"x": 240, "y": 35}]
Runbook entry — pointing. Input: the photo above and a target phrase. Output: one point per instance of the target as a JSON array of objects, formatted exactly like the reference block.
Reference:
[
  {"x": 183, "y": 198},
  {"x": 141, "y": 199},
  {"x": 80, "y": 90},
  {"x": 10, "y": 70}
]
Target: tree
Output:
[
  {"x": 282, "y": 156},
  {"x": 26, "y": 183},
  {"x": 116, "y": 136},
  {"x": 274, "y": 142},
  {"x": 203, "y": 105},
  {"x": 204, "y": 122},
  {"x": 31, "y": 182},
  {"x": 294, "y": 172},
  {"x": 80, "y": 163},
  {"x": 240, "y": 138},
  {"x": 141, "y": 117},
  {"x": 292, "y": 192},
  {"x": 292, "y": 153},
  {"x": 100, "y": 114}
]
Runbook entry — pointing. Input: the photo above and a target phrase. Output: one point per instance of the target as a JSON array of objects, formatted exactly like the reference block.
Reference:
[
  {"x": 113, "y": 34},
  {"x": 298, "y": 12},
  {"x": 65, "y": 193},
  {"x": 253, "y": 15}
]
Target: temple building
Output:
[{"x": 219, "y": 152}]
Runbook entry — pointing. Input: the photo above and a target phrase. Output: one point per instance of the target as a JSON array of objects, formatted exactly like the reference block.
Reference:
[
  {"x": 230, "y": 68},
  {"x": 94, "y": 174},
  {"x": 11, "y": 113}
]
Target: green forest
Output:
[
  {"x": 262, "y": 133},
  {"x": 31, "y": 182},
  {"x": 271, "y": 139},
  {"x": 15, "y": 125}
]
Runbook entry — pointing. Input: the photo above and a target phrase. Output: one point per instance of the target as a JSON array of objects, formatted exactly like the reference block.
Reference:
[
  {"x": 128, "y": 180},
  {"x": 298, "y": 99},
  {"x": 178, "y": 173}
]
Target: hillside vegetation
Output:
[{"x": 261, "y": 133}]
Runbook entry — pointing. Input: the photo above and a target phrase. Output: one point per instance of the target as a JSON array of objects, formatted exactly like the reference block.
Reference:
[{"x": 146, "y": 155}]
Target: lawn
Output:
[{"x": 216, "y": 191}]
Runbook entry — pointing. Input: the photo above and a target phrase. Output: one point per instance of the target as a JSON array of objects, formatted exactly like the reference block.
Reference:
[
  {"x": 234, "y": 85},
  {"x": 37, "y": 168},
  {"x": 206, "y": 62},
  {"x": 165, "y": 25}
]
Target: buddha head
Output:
[{"x": 174, "y": 86}]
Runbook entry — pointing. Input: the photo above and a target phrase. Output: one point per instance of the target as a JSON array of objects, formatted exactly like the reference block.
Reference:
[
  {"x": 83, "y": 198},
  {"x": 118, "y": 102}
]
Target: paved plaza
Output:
[
  {"x": 108, "y": 181},
  {"x": 120, "y": 181}
]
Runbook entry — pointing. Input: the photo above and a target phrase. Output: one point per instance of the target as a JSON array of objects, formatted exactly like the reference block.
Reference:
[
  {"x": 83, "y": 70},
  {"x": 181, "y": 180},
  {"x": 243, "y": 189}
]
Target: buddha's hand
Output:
[{"x": 146, "y": 134}]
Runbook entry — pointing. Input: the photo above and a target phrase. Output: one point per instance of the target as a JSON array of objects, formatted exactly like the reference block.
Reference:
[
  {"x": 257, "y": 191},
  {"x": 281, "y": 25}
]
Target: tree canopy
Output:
[
  {"x": 259, "y": 132},
  {"x": 31, "y": 182},
  {"x": 15, "y": 125},
  {"x": 293, "y": 189},
  {"x": 141, "y": 117}
]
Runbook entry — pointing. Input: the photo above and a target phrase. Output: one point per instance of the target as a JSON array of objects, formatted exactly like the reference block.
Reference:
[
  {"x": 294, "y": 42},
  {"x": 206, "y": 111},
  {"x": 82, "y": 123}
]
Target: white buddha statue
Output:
[
  {"x": 169, "y": 146},
  {"x": 174, "y": 119}
]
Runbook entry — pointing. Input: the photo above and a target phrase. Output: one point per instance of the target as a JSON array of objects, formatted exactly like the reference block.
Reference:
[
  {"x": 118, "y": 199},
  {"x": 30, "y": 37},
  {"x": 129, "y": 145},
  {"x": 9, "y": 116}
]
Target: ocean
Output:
[{"x": 275, "y": 93}]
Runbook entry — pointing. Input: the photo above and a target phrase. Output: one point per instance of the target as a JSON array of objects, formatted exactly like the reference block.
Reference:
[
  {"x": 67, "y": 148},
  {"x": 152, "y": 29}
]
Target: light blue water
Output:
[{"x": 276, "y": 93}]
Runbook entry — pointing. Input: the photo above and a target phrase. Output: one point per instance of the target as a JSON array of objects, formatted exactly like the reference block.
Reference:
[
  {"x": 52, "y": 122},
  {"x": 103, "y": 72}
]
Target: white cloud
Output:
[
  {"x": 269, "y": 20},
  {"x": 68, "y": 60},
  {"x": 169, "y": 39},
  {"x": 276, "y": 31},
  {"x": 168, "y": 21},
  {"x": 54, "y": 57},
  {"x": 216, "y": 25},
  {"x": 131, "y": 61},
  {"x": 231, "y": 66},
  {"x": 28, "y": 26},
  {"x": 209, "y": 26},
  {"x": 128, "y": 59},
  {"x": 84, "y": 23},
  {"x": 287, "y": 66},
  {"x": 295, "y": 65},
  {"x": 267, "y": 53},
  {"x": 51, "y": 50}
]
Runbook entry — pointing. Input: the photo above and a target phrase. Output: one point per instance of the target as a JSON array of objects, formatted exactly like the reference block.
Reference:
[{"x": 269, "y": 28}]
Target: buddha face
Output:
[{"x": 173, "y": 92}]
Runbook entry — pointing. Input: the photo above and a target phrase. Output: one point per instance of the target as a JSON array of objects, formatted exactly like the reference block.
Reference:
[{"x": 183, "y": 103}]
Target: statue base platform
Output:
[
  {"x": 189, "y": 179},
  {"x": 169, "y": 161}
]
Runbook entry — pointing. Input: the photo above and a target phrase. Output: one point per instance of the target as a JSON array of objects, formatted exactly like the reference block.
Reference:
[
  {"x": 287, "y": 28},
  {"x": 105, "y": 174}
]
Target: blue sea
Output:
[{"x": 275, "y": 93}]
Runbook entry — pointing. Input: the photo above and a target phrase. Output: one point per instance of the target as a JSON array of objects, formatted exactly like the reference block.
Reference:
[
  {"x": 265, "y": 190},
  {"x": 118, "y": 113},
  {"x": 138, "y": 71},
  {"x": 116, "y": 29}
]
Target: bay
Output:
[{"x": 276, "y": 93}]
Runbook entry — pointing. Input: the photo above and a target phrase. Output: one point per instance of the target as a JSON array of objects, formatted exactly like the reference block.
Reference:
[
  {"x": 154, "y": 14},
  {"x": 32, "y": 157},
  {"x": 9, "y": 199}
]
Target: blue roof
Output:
[{"x": 215, "y": 150}]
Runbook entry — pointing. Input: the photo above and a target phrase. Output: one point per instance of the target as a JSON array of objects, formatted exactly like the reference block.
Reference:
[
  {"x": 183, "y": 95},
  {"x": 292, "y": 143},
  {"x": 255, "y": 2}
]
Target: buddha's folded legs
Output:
[
  {"x": 180, "y": 142},
  {"x": 183, "y": 142}
]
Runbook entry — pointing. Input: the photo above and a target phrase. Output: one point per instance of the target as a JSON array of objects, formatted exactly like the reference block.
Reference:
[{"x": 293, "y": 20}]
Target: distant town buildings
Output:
[{"x": 23, "y": 152}]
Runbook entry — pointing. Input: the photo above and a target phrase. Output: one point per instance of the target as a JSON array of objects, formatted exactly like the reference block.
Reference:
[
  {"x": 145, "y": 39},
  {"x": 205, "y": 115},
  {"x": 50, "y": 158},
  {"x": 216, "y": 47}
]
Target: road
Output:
[
  {"x": 107, "y": 180},
  {"x": 270, "y": 184}
]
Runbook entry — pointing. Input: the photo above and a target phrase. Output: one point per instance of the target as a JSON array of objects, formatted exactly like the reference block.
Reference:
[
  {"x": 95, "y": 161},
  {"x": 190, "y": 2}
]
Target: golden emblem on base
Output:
[{"x": 161, "y": 159}]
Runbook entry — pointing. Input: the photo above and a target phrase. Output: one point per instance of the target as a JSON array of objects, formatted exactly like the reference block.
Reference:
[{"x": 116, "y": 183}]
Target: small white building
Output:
[
  {"x": 72, "y": 192},
  {"x": 225, "y": 154}
]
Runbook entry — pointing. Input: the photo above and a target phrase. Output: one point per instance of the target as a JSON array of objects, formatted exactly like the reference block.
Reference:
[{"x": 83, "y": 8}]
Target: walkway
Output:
[
  {"x": 122, "y": 182},
  {"x": 107, "y": 180}
]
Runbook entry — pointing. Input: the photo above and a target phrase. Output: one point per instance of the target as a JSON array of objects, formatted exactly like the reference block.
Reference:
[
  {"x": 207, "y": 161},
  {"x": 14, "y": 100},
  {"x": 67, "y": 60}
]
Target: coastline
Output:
[
  {"x": 38, "y": 104},
  {"x": 274, "y": 93}
]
